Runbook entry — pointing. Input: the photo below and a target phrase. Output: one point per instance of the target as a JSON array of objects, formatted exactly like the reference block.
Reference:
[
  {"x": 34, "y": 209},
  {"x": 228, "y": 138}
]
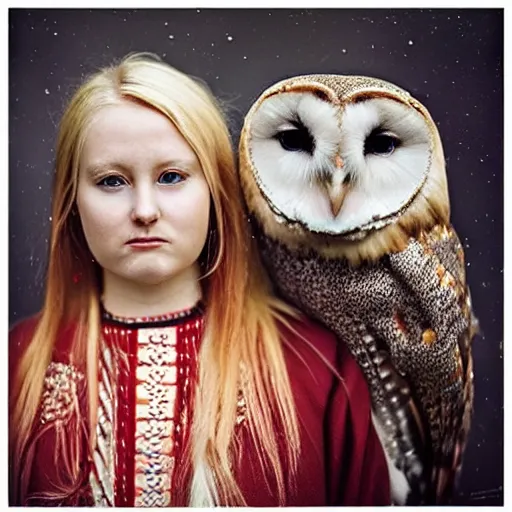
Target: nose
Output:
[{"x": 145, "y": 209}]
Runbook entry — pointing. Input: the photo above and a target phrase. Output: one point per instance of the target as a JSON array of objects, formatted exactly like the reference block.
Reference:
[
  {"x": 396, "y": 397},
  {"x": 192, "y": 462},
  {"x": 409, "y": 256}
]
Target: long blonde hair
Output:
[{"x": 242, "y": 317}]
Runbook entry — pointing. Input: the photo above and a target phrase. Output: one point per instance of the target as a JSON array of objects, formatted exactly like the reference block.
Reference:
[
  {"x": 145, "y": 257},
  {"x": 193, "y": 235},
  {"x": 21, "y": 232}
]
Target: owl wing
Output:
[
  {"x": 432, "y": 269},
  {"x": 407, "y": 324}
]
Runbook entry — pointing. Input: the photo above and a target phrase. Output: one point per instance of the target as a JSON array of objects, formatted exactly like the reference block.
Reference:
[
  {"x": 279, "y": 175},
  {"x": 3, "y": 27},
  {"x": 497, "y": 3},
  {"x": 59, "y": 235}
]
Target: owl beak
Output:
[
  {"x": 337, "y": 189},
  {"x": 337, "y": 193}
]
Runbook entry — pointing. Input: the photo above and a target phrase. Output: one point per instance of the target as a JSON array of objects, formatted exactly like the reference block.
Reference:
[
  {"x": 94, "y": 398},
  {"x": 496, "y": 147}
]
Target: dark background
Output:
[{"x": 451, "y": 60}]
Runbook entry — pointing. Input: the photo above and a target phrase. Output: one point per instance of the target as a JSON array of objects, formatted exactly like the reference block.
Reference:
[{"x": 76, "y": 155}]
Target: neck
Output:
[{"x": 125, "y": 298}]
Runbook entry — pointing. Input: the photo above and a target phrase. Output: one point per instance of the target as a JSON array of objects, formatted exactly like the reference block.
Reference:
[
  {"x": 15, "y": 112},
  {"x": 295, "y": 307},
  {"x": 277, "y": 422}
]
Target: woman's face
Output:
[{"x": 142, "y": 196}]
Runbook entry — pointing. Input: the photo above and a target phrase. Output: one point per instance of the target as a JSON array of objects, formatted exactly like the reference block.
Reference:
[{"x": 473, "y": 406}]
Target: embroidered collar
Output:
[{"x": 168, "y": 319}]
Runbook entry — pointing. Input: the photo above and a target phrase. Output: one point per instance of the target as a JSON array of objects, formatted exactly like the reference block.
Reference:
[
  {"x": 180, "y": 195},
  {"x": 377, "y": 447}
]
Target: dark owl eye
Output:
[
  {"x": 380, "y": 143},
  {"x": 298, "y": 139}
]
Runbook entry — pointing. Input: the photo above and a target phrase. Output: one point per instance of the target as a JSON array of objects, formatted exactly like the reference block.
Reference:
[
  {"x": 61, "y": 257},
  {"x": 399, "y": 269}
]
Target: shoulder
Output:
[
  {"x": 61, "y": 376},
  {"x": 316, "y": 355},
  {"x": 20, "y": 335},
  {"x": 23, "y": 328},
  {"x": 305, "y": 334},
  {"x": 316, "y": 342}
]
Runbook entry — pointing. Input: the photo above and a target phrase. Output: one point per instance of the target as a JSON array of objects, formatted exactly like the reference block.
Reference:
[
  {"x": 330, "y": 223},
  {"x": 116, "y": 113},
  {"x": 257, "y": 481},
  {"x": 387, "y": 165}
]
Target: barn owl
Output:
[{"x": 345, "y": 185}]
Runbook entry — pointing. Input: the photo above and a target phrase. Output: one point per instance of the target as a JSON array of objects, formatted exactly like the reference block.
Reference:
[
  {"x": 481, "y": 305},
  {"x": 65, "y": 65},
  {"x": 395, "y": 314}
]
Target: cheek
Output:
[
  {"x": 189, "y": 214},
  {"x": 101, "y": 219}
]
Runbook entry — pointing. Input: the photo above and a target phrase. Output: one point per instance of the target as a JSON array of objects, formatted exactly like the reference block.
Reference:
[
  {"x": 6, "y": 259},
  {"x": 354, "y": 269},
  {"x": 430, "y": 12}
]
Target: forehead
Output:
[{"x": 130, "y": 129}]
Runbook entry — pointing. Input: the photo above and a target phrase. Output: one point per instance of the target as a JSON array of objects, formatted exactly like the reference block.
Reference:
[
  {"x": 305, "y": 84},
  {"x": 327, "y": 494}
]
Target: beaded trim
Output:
[
  {"x": 156, "y": 390},
  {"x": 59, "y": 392},
  {"x": 164, "y": 320}
]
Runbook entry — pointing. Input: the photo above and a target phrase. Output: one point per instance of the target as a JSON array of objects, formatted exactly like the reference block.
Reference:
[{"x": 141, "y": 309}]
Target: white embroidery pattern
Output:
[{"x": 60, "y": 392}]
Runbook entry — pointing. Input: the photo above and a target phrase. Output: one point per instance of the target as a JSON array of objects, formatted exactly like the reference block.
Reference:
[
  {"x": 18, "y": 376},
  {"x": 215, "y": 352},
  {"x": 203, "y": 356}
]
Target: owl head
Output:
[{"x": 343, "y": 165}]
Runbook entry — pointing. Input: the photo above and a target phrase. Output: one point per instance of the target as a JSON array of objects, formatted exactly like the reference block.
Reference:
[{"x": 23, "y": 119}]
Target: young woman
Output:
[{"x": 161, "y": 370}]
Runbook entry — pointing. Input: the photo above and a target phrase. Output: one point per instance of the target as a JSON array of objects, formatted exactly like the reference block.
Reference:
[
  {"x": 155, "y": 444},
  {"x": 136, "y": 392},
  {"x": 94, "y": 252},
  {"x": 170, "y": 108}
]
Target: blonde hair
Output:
[{"x": 242, "y": 316}]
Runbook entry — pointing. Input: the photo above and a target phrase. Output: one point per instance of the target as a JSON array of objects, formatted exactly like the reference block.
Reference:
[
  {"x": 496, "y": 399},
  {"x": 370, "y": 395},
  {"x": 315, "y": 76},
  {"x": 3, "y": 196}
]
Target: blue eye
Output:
[
  {"x": 171, "y": 178},
  {"x": 112, "y": 181}
]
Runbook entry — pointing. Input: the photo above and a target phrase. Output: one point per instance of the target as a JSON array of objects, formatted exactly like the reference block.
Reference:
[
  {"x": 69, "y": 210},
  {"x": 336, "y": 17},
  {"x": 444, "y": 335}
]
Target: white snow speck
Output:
[
  {"x": 55, "y": 33},
  {"x": 230, "y": 38},
  {"x": 343, "y": 51},
  {"x": 171, "y": 37},
  {"x": 245, "y": 57},
  {"x": 46, "y": 91},
  {"x": 166, "y": 23},
  {"x": 410, "y": 43}
]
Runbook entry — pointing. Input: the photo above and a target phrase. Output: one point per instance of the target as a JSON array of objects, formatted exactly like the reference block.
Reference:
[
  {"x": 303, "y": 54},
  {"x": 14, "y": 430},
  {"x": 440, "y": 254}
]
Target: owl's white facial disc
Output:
[
  {"x": 294, "y": 138},
  {"x": 384, "y": 146}
]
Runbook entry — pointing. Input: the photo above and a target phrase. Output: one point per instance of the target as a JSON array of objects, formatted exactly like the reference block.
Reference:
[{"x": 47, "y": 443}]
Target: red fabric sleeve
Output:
[
  {"x": 49, "y": 481},
  {"x": 19, "y": 337},
  {"x": 335, "y": 418},
  {"x": 358, "y": 469},
  {"x": 41, "y": 471}
]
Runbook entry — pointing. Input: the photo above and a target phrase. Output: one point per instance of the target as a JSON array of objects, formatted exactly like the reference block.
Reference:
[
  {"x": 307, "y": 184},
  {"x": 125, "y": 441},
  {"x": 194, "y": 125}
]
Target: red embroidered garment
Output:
[
  {"x": 151, "y": 362},
  {"x": 146, "y": 371}
]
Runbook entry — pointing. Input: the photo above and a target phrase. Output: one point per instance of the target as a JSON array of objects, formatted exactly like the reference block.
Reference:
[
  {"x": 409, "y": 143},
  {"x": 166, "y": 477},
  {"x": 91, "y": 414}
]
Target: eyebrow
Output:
[
  {"x": 97, "y": 168},
  {"x": 185, "y": 164}
]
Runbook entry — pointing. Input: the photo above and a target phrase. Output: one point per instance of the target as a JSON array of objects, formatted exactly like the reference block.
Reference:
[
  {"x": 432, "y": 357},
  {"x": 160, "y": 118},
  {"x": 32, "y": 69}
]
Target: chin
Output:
[
  {"x": 158, "y": 272},
  {"x": 149, "y": 279}
]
